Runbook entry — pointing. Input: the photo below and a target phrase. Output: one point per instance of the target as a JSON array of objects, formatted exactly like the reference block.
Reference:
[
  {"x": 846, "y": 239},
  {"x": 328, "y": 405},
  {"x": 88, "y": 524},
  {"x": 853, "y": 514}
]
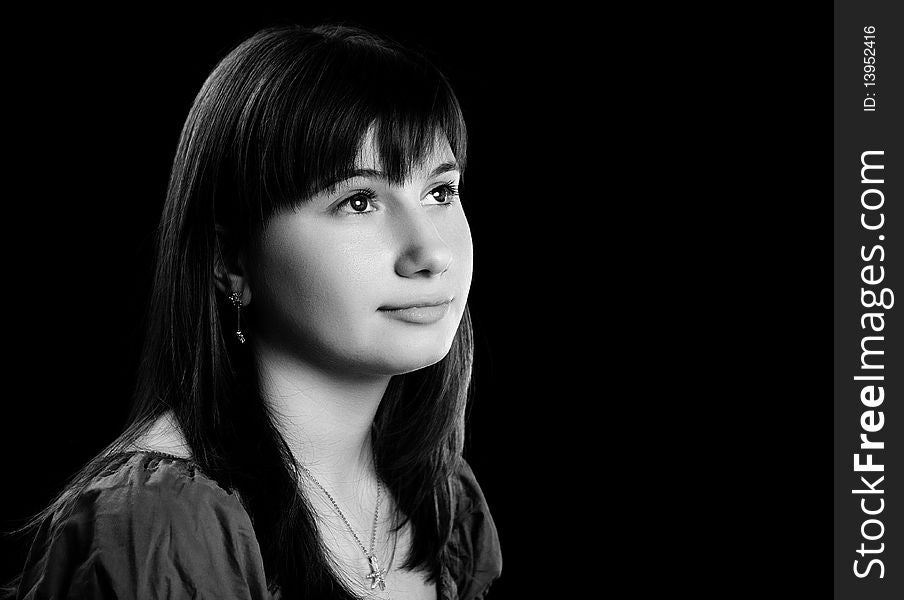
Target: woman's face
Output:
[{"x": 371, "y": 278}]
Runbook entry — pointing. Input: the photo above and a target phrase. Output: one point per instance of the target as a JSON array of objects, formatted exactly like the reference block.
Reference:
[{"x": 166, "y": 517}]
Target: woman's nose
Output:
[{"x": 424, "y": 253}]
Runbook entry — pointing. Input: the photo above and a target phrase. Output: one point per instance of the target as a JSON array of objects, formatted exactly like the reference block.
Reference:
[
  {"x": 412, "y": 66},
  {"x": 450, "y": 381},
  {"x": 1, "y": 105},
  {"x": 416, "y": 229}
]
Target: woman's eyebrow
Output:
[{"x": 444, "y": 167}]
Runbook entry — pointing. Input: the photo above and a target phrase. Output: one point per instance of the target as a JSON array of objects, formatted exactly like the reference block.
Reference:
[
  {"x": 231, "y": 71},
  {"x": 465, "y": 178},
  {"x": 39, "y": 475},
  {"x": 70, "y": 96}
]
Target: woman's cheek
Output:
[{"x": 463, "y": 248}]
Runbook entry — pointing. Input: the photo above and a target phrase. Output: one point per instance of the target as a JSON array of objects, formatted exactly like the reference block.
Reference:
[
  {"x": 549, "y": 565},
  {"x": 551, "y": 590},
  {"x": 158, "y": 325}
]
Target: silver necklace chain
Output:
[{"x": 376, "y": 573}]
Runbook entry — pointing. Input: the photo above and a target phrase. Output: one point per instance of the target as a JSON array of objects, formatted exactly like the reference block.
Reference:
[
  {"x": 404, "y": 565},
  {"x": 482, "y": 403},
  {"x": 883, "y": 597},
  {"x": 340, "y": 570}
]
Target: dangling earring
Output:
[{"x": 237, "y": 302}]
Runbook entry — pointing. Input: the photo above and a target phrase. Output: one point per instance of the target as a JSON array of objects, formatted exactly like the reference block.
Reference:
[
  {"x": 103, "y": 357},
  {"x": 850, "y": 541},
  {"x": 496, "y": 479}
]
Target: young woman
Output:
[{"x": 298, "y": 424}]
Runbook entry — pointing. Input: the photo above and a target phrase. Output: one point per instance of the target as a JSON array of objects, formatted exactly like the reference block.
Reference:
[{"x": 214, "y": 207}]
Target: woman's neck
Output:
[{"x": 325, "y": 418}]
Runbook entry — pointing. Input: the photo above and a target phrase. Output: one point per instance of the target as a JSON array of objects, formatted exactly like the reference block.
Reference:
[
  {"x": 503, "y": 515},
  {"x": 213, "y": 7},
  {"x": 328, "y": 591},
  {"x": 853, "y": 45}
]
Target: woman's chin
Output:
[{"x": 405, "y": 358}]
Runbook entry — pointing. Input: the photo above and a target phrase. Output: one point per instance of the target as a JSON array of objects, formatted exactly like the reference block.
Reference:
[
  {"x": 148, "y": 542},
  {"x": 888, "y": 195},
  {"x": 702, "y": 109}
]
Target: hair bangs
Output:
[{"x": 311, "y": 140}]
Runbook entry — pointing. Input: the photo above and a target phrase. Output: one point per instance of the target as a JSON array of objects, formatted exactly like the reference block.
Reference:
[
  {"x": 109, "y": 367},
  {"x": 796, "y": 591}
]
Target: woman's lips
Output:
[{"x": 426, "y": 313}]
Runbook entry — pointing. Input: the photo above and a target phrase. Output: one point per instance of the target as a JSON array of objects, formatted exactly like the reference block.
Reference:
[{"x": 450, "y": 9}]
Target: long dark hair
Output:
[{"x": 279, "y": 118}]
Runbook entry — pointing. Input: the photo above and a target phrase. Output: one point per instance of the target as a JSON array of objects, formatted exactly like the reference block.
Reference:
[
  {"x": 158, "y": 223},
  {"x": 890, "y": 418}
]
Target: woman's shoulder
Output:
[
  {"x": 468, "y": 493},
  {"x": 147, "y": 524},
  {"x": 155, "y": 479},
  {"x": 474, "y": 552},
  {"x": 150, "y": 485}
]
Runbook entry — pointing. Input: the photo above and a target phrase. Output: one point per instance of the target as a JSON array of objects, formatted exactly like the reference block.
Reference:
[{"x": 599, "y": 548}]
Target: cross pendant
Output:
[{"x": 376, "y": 573}]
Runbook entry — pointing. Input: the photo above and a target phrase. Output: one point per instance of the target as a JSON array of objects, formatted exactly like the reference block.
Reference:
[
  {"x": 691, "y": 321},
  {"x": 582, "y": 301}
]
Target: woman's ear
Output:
[{"x": 230, "y": 270}]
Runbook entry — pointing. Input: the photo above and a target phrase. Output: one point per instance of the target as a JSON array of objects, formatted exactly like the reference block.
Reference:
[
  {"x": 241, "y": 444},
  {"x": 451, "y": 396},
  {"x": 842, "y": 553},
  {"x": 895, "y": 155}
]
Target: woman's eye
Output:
[
  {"x": 443, "y": 194},
  {"x": 358, "y": 204}
]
